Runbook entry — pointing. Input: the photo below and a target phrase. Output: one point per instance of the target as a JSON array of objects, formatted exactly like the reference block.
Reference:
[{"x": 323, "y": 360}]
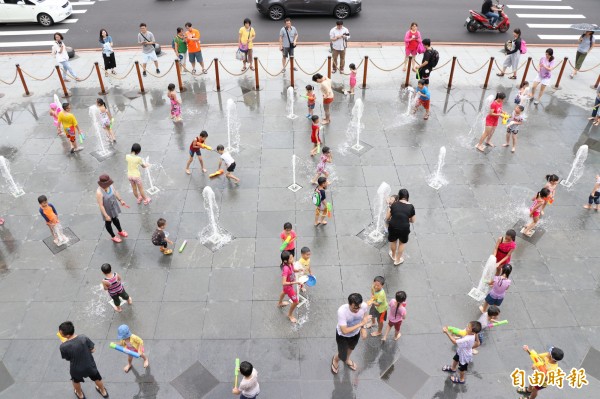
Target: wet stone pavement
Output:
[{"x": 198, "y": 310}]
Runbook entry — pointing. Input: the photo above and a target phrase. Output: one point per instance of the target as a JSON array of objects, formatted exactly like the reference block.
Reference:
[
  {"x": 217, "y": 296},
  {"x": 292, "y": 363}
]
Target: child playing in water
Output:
[
  {"x": 288, "y": 232},
  {"x": 326, "y": 157},
  {"x": 535, "y": 211},
  {"x": 302, "y": 266},
  {"x": 133, "y": 174},
  {"x": 55, "y": 109},
  {"x": 422, "y": 98},
  {"x": 175, "y": 103},
  {"x": 133, "y": 343},
  {"x": 315, "y": 137},
  {"x": 160, "y": 239},
  {"x": 524, "y": 93},
  {"x": 311, "y": 99},
  {"x": 113, "y": 283},
  {"x": 491, "y": 122},
  {"x": 485, "y": 320},
  {"x": 197, "y": 144},
  {"x": 594, "y": 197},
  {"x": 288, "y": 282},
  {"x": 499, "y": 286},
  {"x": 70, "y": 126},
  {"x": 48, "y": 212},
  {"x": 393, "y": 198},
  {"x": 464, "y": 351},
  {"x": 319, "y": 200},
  {"x": 352, "y": 80},
  {"x": 516, "y": 120},
  {"x": 505, "y": 246},
  {"x": 106, "y": 120},
  {"x": 229, "y": 162},
  {"x": 551, "y": 184},
  {"x": 378, "y": 304},
  {"x": 396, "y": 315}
]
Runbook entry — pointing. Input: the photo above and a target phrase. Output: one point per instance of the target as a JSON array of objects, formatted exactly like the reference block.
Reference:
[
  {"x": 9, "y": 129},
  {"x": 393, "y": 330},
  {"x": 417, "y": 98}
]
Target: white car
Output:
[{"x": 46, "y": 12}]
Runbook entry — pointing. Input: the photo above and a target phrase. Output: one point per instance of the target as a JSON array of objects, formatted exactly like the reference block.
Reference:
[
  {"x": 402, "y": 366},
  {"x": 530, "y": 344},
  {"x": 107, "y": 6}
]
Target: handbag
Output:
[
  {"x": 240, "y": 55},
  {"x": 292, "y": 45},
  {"x": 244, "y": 47},
  {"x": 420, "y": 48}
]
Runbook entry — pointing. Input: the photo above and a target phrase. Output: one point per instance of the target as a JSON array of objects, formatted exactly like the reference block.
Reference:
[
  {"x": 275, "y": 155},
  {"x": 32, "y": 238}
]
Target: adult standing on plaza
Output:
[
  {"x": 586, "y": 42},
  {"x": 412, "y": 42},
  {"x": 179, "y": 45},
  {"x": 327, "y": 93},
  {"x": 512, "y": 55},
  {"x": 288, "y": 38},
  {"x": 339, "y": 36},
  {"x": 544, "y": 74},
  {"x": 77, "y": 350},
  {"x": 148, "y": 42},
  {"x": 425, "y": 67},
  {"x": 351, "y": 320},
  {"x": 192, "y": 36},
  {"x": 59, "y": 49},
  {"x": 108, "y": 54},
  {"x": 246, "y": 43},
  {"x": 400, "y": 214},
  {"x": 110, "y": 201}
]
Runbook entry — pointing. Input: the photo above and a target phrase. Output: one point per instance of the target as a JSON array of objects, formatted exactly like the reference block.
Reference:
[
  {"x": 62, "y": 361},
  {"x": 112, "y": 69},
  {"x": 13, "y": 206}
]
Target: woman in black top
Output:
[
  {"x": 401, "y": 214},
  {"x": 512, "y": 55}
]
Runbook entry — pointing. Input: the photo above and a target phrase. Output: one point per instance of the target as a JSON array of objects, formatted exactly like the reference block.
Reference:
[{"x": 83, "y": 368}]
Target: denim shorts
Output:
[
  {"x": 492, "y": 301},
  {"x": 196, "y": 57}
]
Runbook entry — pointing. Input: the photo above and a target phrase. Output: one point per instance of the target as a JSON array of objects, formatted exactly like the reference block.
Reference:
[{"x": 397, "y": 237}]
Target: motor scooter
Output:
[{"x": 477, "y": 21}]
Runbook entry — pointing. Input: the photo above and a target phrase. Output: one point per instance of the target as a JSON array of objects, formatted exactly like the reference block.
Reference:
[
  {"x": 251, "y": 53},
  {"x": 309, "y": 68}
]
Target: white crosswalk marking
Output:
[
  {"x": 34, "y": 32},
  {"x": 27, "y": 44},
  {"x": 565, "y": 13},
  {"x": 69, "y": 21},
  {"x": 549, "y": 26},
  {"x": 82, "y": 3},
  {"x": 552, "y": 16},
  {"x": 559, "y": 37},
  {"x": 538, "y": 7},
  {"x": 79, "y": 11}
]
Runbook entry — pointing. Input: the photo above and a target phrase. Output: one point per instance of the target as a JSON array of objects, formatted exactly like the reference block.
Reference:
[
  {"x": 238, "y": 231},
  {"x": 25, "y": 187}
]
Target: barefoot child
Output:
[
  {"x": 159, "y": 237},
  {"x": 134, "y": 161},
  {"x": 315, "y": 136},
  {"x": 524, "y": 93},
  {"x": 505, "y": 246},
  {"x": 55, "y": 109},
  {"x": 352, "y": 80},
  {"x": 378, "y": 304},
  {"x": 175, "y": 103},
  {"x": 512, "y": 129},
  {"x": 291, "y": 234},
  {"x": 423, "y": 98},
  {"x": 48, "y": 212},
  {"x": 311, "y": 100},
  {"x": 114, "y": 285},
  {"x": 396, "y": 314},
  {"x": 133, "y": 343},
  {"x": 326, "y": 157},
  {"x": 500, "y": 285},
  {"x": 491, "y": 122},
  {"x": 535, "y": 211},
  {"x": 485, "y": 320},
  {"x": 464, "y": 351},
  {"x": 197, "y": 144},
  {"x": 550, "y": 360},
  {"x": 249, "y": 387},
  {"x": 70, "y": 126},
  {"x": 229, "y": 162},
  {"x": 106, "y": 120},
  {"x": 319, "y": 200},
  {"x": 594, "y": 197},
  {"x": 551, "y": 184},
  {"x": 288, "y": 282},
  {"x": 302, "y": 266}
]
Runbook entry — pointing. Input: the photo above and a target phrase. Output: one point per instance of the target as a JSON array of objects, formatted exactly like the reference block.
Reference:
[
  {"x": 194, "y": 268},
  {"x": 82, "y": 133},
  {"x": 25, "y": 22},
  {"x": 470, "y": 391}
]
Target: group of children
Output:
[
  {"x": 539, "y": 202},
  {"x": 199, "y": 143}
]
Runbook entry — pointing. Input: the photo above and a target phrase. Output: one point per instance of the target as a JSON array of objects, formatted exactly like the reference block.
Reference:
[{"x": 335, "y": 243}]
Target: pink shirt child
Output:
[{"x": 396, "y": 312}]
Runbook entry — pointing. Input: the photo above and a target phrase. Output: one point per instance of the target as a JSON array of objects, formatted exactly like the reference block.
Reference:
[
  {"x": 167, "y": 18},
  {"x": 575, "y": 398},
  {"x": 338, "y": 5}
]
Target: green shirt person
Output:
[{"x": 180, "y": 46}]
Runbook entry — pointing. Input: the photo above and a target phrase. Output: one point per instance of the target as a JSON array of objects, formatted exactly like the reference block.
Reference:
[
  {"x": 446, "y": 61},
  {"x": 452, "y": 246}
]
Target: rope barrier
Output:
[
  {"x": 163, "y": 75},
  {"x": 552, "y": 69},
  {"x": 441, "y": 66},
  {"x": 281, "y": 72},
  {"x": 383, "y": 69},
  {"x": 309, "y": 73},
  {"x": 185, "y": 68},
  {"x": 13, "y": 81},
  {"x": 87, "y": 77},
  {"x": 113, "y": 76},
  {"x": 477, "y": 70},
  {"x": 231, "y": 73},
  {"x": 344, "y": 73},
  {"x": 572, "y": 66},
  {"x": 34, "y": 78}
]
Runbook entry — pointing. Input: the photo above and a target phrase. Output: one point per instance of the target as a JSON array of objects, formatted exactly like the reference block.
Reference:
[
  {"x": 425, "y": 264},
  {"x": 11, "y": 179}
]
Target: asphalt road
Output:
[{"x": 379, "y": 21}]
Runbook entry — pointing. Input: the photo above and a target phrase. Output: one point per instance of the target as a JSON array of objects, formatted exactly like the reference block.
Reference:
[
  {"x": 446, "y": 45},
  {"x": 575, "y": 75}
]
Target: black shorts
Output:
[
  {"x": 461, "y": 367},
  {"x": 231, "y": 167},
  {"x": 287, "y": 51},
  {"x": 345, "y": 343},
  {"x": 117, "y": 297},
  {"x": 160, "y": 243},
  {"x": 395, "y": 234},
  {"x": 93, "y": 375}
]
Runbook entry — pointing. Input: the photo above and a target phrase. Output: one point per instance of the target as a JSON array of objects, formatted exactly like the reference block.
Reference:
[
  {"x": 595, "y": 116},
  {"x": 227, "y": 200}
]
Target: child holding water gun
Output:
[
  {"x": 505, "y": 246},
  {"x": 396, "y": 315},
  {"x": 326, "y": 157},
  {"x": 319, "y": 200},
  {"x": 464, "y": 351},
  {"x": 352, "y": 80},
  {"x": 55, "y": 109},
  {"x": 249, "y": 387},
  {"x": 535, "y": 211},
  {"x": 378, "y": 304},
  {"x": 594, "y": 197},
  {"x": 543, "y": 362},
  {"x": 70, "y": 126},
  {"x": 512, "y": 129},
  {"x": 133, "y": 343},
  {"x": 311, "y": 100},
  {"x": 106, "y": 120},
  {"x": 134, "y": 161},
  {"x": 487, "y": 319},
  {"x": 226, "y": 157},
  {"x": 551, "y": 184},
  {"x": 288, "y": 239},
  {"x": 197, "y": 144},
  {"x": 423, "y": 98}
]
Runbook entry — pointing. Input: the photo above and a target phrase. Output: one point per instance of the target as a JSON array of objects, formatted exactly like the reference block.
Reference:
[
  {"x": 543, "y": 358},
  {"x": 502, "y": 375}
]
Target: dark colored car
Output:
[{"x": 278, "y": 9}]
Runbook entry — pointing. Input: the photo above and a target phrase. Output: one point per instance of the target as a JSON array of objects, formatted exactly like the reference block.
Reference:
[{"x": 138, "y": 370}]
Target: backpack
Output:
[
  {"x": 434, "y": 59},
  {"x": 523, "y": 46},
  {"x": 316, "y": 199}
]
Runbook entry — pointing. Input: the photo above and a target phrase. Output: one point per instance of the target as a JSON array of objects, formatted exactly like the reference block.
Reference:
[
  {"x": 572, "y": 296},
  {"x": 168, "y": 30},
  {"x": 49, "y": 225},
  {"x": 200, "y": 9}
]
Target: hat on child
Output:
[{"x": 123, "y": 332}]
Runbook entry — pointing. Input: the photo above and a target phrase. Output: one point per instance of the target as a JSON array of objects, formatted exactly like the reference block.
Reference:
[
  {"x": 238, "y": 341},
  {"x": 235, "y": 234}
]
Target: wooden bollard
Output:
[
  {"x": 179, "y": 81},
  {"x": 217, "y": 74},
  {"x": 562, "y": 69},
  {"x": 257, "y": 84},
  {"x": 408, "y": 69},
  {"x": 526, "y": 70},
  {"x": 137, "y": 68},
  {"x": 292, "y": 70},
  {"x": 27, "y": 93},
  {"x": 62, "y": 82},
  {"x": 489, "y": 71},
  {"x": 366, "y": 61},
  {"x": 102, "y": 91},
  {"x": 451, "y": 72},
  {"x": 329, "y": 66}
]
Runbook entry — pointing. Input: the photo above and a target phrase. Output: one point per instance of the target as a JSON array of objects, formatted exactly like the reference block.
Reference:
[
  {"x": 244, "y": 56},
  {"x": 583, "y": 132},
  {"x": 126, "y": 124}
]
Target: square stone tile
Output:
[
  {"x": 186, "y": 285},
  {"x": 405, "y": 377},
  {"x": 543, "y": 311},
  {"x": 195, "y": 382},
  {"x": 190, "y": 314}
]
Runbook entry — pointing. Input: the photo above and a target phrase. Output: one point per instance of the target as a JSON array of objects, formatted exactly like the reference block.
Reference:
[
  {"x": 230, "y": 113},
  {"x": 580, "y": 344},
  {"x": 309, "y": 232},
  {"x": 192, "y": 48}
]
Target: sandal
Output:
[
  {"x": 352, "y": 365},
  {"x": 448, "y": 369},
  {"x": 500, "y": 74},
  {"x": 456, "y": 379},
  {"x": 334, "y": 369},
  {"x": 83, "y": 397},
  {"x": 252, "y": 68},
  {"x": 100, "y": 392},
  {"x": 512, "y": 77}
]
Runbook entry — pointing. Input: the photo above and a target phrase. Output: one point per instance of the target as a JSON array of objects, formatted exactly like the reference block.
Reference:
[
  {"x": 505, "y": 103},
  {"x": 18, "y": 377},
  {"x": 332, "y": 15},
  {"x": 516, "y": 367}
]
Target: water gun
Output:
[
  {"x": 456, "y": 331},
  {"x": 182, "y": 246},
  {"x": 285, "y": 243},
  {"x": 112, "y": 120},
  {"x": 236, "y": 371},
  {"x": 206, "y": 147},
  {"x": 60, "y": 336},
  {"x": 329, "y": 208},
  {"x": 505, "y": 117},
  {"x": 81, "y": 137},
  {"x": 497, "y": 323},
  {"x": 124, "y": 350},
  {"x": 538, "y": 362},
  {"x": 217, "y": 173}
]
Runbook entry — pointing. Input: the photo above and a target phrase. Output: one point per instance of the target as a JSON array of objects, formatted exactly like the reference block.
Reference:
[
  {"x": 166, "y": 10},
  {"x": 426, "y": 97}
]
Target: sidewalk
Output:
[{"x": 309, "y": 59}]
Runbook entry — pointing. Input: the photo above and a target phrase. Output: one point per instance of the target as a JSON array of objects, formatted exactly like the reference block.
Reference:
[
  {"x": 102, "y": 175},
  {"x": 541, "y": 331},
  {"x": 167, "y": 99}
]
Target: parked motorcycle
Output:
[{"x": 477, "y": 21}]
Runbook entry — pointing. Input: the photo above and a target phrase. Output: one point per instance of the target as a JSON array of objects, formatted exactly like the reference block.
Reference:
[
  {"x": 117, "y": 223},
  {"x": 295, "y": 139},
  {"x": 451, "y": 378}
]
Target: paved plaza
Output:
[{"x": 199, "y": 310}]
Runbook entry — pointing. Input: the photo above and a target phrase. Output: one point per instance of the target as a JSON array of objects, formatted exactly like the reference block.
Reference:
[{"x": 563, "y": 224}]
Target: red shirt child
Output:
[
  {"x": 504, "y": 249},
  {"x": 492, "y": 120},
  {"x": 288, "y": 232}
]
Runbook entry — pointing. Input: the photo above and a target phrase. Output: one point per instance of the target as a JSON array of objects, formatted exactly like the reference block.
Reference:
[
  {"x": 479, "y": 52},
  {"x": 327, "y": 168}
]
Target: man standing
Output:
[
  {"x": 351, "y": 320},
  {"x": 180, "y": 47},
  {"x": 192, "y": 37},
  {"x": 288, "y": 37},
  {"x": 146, "y": 39},
  {"x": 77, "y": 350},
  {"x": 426, "y": 65},
  {"x": 339, "y": 37}
]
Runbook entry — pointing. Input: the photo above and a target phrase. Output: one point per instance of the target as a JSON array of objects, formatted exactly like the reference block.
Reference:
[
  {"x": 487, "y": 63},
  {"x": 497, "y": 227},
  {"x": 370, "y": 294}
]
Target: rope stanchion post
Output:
[
  {"x": 217, "y": 74},
  {"x": 179, "y": 81},
  {"x": 102, "y": 91},
  {"x": 257, "y": 84},
  {"x": 408, "y": 69},
  {"x": 329, "y": 66},
  {"x": 27, "y": 93},
  {"x": 562, "y": 69},
  {"x": 137, "y": 68},
  {"x": 489, "y": 71},
  {"x": 62, "y": 82},
  {"x": 364, "y": 84},
  {"x": 526, "y": 70},
  {"x": 595, "y": 86},
  {"x": 449, "y": 87},
  {"x": 292, "y": 70}
]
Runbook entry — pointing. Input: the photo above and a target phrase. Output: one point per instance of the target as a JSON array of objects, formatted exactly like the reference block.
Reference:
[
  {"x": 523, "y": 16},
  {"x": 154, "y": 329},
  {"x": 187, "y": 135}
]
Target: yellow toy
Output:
[
  {"x": 206, "y": 147},
  {"x": 505, "y": 117},
  {"x": 59, "y": 335},
  {"x": 217, "y": 173}
]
